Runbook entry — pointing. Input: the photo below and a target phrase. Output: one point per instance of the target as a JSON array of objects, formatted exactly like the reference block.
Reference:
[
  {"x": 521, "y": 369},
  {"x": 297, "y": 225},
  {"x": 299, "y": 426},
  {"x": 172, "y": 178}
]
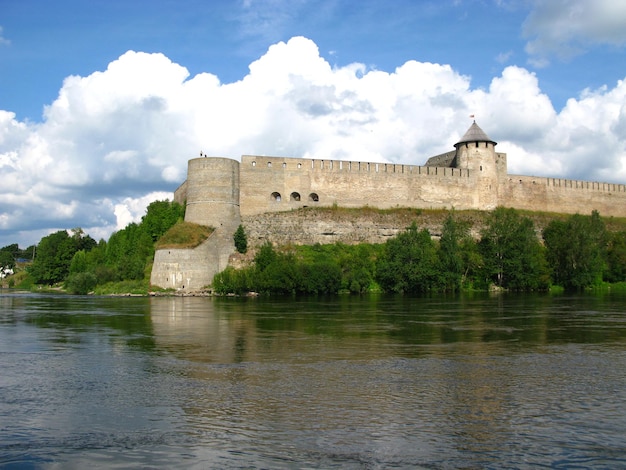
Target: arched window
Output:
[
  {"x": 314, "y": 197},
  {"x": 275, "y": 196},
  {"x": 253, "y": 163},
  {"x": 295, "y": 196}
]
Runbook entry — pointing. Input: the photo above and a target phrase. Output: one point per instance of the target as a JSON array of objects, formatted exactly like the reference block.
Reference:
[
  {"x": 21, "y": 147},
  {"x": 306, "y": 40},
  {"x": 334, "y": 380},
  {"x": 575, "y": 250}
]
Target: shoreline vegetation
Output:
[
  {"x": 497, "y": 251},
  {"x": 619, "y": 287}
]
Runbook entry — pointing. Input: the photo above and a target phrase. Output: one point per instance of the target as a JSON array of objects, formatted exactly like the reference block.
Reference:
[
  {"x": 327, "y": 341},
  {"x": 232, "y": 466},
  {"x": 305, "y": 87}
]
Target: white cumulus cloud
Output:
[
  {"x": 115, "y": 140},
  {"x": 565, "y": 28}
]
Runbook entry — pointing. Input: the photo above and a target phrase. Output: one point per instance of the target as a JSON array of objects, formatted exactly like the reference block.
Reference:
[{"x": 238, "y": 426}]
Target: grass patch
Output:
[
  {"x": 137, "y": 287},
  {"x": 184, "y": 235},
  {"x": 22, "y": 280},
  {"x": 618, "y": 287},
  {"x": 365, "y": 210},
  {"x": 605, "y": 287},
  {"x": 556, "y": 290},
  {"x": 601, "y": 288}
]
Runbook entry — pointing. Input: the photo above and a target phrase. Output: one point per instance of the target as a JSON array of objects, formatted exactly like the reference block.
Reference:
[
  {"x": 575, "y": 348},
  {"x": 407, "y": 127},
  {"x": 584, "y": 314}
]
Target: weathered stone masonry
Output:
[{"x": 221, "y": 192}]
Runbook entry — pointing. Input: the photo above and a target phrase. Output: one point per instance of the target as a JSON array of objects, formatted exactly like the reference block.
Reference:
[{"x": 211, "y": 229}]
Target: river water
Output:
[{"x": 507, "y": 381}]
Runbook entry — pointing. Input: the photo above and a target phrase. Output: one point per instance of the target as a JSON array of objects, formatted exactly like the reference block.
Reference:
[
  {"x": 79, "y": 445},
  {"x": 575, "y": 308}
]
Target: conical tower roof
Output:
[{"x": 475, "y": 134}]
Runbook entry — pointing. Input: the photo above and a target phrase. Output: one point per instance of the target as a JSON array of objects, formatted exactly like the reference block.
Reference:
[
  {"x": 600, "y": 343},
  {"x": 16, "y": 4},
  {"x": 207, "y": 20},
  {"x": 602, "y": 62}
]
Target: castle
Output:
[{"x": 219, "y": 192}]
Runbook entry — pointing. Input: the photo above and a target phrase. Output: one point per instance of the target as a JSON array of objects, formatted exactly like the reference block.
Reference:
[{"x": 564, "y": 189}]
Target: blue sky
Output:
[
  {"x": 544, "y": 78},
  {"x": 45, "y": 41}
]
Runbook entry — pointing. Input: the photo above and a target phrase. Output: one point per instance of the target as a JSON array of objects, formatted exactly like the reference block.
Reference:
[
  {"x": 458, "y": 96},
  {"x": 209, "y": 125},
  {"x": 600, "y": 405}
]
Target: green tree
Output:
[
  {"x": 358, "y": 264},
  {"x": 267, "y": 275},
  {"x": 8, "y": 255},
  {"x": 129, "y": 251},
  {"x": 511, "y": 252},
  {"x": 160, "y": 216},
  {"x": 79, "y": 263},
  {"x": 473, "y": 264},
  {"x": 53, "y": 258},
  {"x": 616, "y": 257},
  {"x": 94, "y": 262},
  {"x": 408, "y": 262},
  {"x": 577, "y": 250},
  {"x": 82, "y": 241},
  {"x": 452, "y": 265},
  {"x": 241, "y": 240},
  {"x": 7, "y": 261},
  {"x": 265, "y": 256}
]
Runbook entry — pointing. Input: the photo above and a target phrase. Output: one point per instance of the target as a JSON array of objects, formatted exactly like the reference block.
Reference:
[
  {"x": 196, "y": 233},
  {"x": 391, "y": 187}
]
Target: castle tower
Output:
[
  {"x": 212, "y": 192},
  {"x": 212, "y": 196},
  {"x": 476, "y": 152}
]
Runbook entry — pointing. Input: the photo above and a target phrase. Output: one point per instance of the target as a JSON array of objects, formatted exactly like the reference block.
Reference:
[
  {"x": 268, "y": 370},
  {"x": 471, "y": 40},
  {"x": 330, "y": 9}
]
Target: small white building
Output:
[{"x": 4, "y": 272}]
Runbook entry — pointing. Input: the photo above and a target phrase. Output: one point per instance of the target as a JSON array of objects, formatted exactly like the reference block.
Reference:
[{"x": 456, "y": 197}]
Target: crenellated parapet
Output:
[{"x": 271, "y": 184}]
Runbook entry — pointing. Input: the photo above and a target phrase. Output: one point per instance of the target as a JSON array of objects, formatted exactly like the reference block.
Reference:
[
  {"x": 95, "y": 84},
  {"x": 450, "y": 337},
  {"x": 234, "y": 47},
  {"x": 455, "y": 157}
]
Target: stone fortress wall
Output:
[
  {"x": 563, "y": 195},
  {"x": 220, "y": 192}
]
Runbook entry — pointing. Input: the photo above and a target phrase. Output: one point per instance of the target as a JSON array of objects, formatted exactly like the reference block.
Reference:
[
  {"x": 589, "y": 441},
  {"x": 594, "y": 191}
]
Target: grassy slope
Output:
[{"x": 184, "y": 235}]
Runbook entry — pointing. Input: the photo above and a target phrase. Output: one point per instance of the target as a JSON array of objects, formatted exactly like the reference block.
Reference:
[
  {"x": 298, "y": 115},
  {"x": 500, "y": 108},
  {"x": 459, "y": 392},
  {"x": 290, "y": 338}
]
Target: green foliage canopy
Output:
[
  {"x": 409, "y": 262},
  {"x": 160, "y": 216},
  {"x": 511, "y": 252},
  {"x": 127, "y": 255},
  {"x": 55, "y": 253},
  {"x": 577, "y": 250},
  {"x": 450, "y": 253},
  {"x": 616, "y": 257},
  {"x": 282, "y": 273}
]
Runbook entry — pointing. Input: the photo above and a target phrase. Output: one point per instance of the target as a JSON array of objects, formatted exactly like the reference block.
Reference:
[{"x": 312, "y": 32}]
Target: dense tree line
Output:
[
  {"x": 575, "y": 253},
  {"x": 81, "y": 263}
]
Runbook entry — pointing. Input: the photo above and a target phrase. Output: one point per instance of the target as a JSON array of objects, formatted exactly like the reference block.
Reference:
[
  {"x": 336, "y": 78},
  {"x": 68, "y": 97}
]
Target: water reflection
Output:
[
  {"x": 239, "y": 330},
  {"x": 350, "y": 382}
]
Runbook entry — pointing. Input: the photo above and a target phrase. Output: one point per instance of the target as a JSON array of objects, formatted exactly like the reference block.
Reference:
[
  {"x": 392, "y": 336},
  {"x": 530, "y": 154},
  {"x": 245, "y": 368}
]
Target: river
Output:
[{"x": 373, "y": 382}]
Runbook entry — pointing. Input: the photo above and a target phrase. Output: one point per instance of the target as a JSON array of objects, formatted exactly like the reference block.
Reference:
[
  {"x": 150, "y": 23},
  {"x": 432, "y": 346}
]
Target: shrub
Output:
[
  {"x": 81, "y": 283},
  {"x": 241, "y": 240}
]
